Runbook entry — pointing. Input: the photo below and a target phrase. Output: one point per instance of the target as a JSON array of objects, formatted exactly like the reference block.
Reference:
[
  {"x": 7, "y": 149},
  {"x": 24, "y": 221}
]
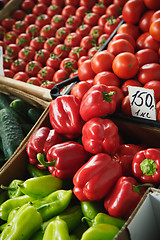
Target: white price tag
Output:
[
  {"x": 1, "y": 62},
  {"x": 142, "y": 102}
]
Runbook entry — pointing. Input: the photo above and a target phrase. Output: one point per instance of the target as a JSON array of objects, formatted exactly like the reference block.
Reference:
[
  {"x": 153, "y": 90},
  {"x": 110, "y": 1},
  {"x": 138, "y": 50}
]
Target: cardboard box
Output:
[
  {"x": 144, "y": 221},
  {"x": 9, "y": 8}
]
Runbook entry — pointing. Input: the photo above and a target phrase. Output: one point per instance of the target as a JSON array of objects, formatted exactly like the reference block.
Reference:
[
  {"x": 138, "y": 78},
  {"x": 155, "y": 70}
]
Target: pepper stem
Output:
[
  {"x": 107, "y": 96},
  {"x": 87, "y": 219},
  {"x": 40, "y": 158},
  {"x": 137, "y": 188},
  {"x": 8, "y": 188},
  {"x": 148, "y": 167}
]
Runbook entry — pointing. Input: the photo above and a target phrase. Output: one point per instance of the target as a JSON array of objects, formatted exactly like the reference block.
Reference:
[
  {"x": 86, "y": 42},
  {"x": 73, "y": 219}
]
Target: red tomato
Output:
[
  {"x": 152, "y": 4},
  {"x": 72, "y": 40},
  {"x": 73, "y": 74},
  {"x": 23, "y": 40},
  {"x": 125, "y": 36},
  {"x": 151, "y": 43},
  {"x": 34, "y": 80},
  {"x": 37, "y": 43},
  {"x": 155, "y": 16},
  {"x": 54, "y": 61},
  {"x": 129, "y": 28},
  {"x": 130, "y": 82},
  {"x": 10, "y": 37},
  {"x": 18, "y": 14},
  {"x": 69, "y": 65},
  {"x": 148, "y": 72},
  {"x": 119, "y": 95},
  {"x": 82, "y": 59},
  {"x": 74, "y": 3},
  {"x": 6, "y": 61},
  {"x": 155, "y": 85},
  {"x": 19, "y": 27},
  {"x": 7, "y": 23},
  {"x": 99, "y": 8},
  {"x": 27, "y": 6},
  {"x": 125, "y": 106},
  {"x": 102, "y": 61},
  {"x": 62, "y": 33},
  {"x": 102, "y": 20},
  {"x": 2, "y": 32},
  {"x": 81, "y": 11},
  {"x": 147, "y": 55},
  {"x": 96, "y": 31},
  {"x": 51, "y": 43},
  {"x": 21, "y": 76},
  {"x": 102, "y": 39},
  {"x": 91, "y": 19},
  {"x": 118, "y": 46},
  {"x": 27, "y": 54},
  {"x": 85, "y": 71},
  {"x": 154, "y": 30},
  {"x": 68, "y": 11},
  {"x": 12, "y": 50},
  {"x": 47, "y": 31},
  {"x": 111, "y": 24},
  {"x": 140, "y": 40},
  {"x": 46, "y": 73},
  {"x": 92, "y": 51},
  {"x": 86, "y": 3},
  {"x": 77, "y": 52},
  {"x": 33, "y": 30},
  {"x": 3, "y": 45},
  {"x": 88, "y": 42},
  {"x": 61, "y": 50},
  {"x": 39, "y": 9},
  {"x": 8, "y": 73},
  {"x": 120, "y": 2},
  {"x": 144, "y": 21},
  {"x": 107, "y": 78},
  {"x": 42, "y": 20},
  {"x": 60, "y": 75},
  {"x": 113, "y": 10},
  {"x": 41, "y": 56},
  {"x": 18, "y": 65},
  {"x": 60, "y": 3},
  {"x": 47, "y": 2},
  {"x": 83, "y": 30},
  {"x": 48, "y": 84},
  {"x": 73, "y": 22},
  {"x": 158, "y": 110},
  {"x": 132, "y": 11},
  {"x": 53, "y": 10},
  {"x": 125, "y": 65},
  {"x": 32, "y": 68},
  {"x": 58, "y": 21},
  {"x": 80, "y": 88},
  {"x": 30, "y": 19}
]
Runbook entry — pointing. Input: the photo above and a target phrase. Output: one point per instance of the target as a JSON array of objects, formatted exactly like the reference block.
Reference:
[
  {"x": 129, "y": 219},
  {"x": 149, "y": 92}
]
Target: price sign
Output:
[
  {"x": 1, "y": 62},
  {"x": 142, "y": 102}
]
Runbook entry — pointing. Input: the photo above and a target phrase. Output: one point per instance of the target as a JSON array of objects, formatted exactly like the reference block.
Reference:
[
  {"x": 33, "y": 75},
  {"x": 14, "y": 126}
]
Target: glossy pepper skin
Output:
[
  {"x": 65, "y": 159},
  {"x": 96, "y": 178},
  {"x": 57, "y": 229},
  {"x": 13, "y": 188},
  {"x": 64, "y": 116},
  {"x": 100, "y": 231},
  {"x": 100, "y": 135},
  {"x": 40, "y": 142},
  {"x": 98, "y": 101},
  {"x": 25, "y": 223},
  {"x": 124, "y": 155},
  {"x": 146, "y": 166},
  {"x": 124, "y": 197}
]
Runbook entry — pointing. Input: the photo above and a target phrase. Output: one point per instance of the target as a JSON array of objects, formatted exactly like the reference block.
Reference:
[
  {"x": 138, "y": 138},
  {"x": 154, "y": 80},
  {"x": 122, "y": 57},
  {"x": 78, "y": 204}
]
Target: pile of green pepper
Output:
[{"x": 42, "y": 207}]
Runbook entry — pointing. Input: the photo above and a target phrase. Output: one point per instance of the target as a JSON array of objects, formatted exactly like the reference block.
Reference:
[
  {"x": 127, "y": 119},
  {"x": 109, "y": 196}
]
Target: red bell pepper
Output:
[
  {"x": 64, "y": 159},
  {"x": 40, "y": 142},
  {"x": 100, "y": 135},
  {"x": 146, "y": 165},
  {"x": 125, "y": 155},
  {"x": 64, "y": 116},
  {"x": 124, "y": 197},
  {"x": 96, "y": 178},
  {"x": 98, "y": 101}
]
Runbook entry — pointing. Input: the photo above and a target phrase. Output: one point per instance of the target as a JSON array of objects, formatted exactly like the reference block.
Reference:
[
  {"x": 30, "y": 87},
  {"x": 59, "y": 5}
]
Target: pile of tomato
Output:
[{"x": 44, "y": 39}]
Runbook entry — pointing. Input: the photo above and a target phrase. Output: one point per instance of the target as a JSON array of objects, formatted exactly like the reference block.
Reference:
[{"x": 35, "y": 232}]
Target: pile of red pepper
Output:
[{"x": 85, "y": 146}]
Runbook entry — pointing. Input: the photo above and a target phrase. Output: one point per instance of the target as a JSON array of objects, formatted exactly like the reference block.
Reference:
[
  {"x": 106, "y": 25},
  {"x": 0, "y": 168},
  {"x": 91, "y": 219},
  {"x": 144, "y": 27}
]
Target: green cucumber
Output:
[
  {"x": 20, "y": 106},
  {"x": 34, "y": 114},
  {"x": 10, "y": 132},
  {"x": 4, "y": 101},
  {"x": 26, "y": 127}
]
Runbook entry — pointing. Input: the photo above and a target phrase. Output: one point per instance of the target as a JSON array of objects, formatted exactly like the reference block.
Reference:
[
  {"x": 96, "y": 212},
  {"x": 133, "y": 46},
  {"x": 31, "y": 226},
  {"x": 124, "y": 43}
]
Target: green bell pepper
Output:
[
  {"x": 26, "y": 221},
  {"x": 100, "y": 231},
  {"x": 56, "y": 230},
  {"x": 36, "y": 172}
]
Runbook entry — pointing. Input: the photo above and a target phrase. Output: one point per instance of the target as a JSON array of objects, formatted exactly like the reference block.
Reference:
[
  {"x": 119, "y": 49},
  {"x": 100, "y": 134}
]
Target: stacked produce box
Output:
[{"x": 83, "y": 170}]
